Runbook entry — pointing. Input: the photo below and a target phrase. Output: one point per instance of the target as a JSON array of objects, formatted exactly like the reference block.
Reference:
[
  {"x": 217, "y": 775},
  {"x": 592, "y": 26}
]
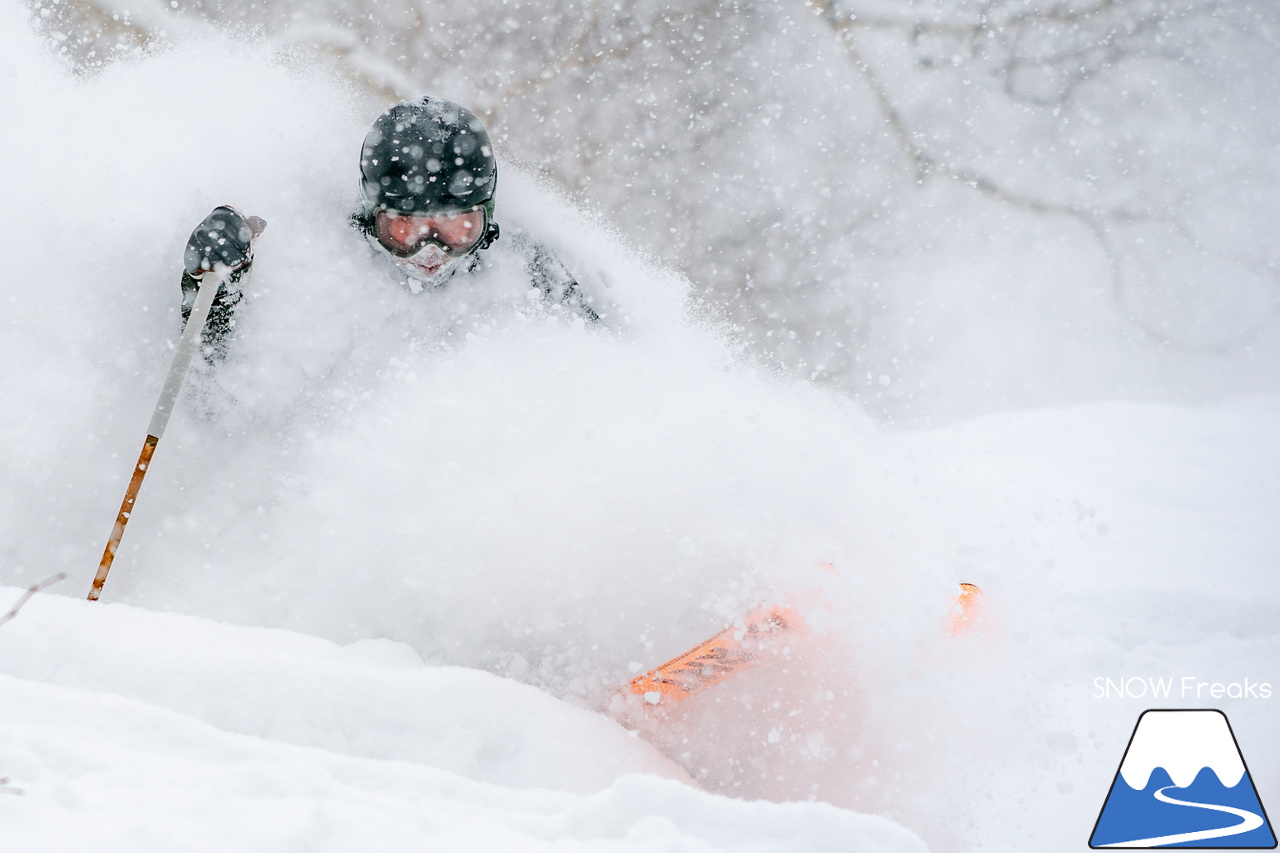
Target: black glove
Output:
[{"x": 224, "y": 237}]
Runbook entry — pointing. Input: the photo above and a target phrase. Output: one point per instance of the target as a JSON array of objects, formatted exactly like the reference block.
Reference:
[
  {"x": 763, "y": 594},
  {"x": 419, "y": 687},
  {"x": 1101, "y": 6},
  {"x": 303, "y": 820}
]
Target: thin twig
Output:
[
  {"x": 31, "y": 590},
  {"x": 5, "y": 789}
]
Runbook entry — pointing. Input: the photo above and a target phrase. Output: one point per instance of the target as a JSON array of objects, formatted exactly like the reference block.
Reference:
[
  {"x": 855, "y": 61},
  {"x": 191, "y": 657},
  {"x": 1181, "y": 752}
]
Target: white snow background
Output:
[{"x": 395, "y": 554}]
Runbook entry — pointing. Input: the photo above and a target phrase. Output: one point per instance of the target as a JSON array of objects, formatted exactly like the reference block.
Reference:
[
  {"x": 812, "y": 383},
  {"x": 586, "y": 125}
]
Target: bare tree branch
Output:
[
  {"x": 922, "y": 162},
  {"x": 924, "y": 165},
  {"x": 572, "y": 59}
]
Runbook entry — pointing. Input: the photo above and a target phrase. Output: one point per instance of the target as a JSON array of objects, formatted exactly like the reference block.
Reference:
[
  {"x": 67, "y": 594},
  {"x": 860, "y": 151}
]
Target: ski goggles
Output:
[{"x": 406, "y": 234}]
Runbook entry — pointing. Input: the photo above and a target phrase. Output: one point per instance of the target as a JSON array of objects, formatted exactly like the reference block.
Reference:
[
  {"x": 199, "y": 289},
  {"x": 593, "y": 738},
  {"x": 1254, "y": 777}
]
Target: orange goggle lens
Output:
[{"x": 404, "y": 235}]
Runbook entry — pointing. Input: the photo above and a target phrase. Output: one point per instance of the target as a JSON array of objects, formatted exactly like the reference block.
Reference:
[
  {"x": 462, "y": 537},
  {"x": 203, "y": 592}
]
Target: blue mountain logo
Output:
[{"x": 1183, "y": 783}]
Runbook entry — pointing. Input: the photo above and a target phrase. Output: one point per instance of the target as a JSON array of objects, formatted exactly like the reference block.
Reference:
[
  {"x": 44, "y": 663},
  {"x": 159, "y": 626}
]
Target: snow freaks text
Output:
[{"x": 1186, "y": 687}]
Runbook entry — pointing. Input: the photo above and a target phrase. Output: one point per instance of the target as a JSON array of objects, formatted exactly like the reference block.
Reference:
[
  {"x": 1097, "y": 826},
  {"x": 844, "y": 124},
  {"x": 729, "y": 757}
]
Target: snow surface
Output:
[
  {"x": 395, "y": 554},
  {"x": 132, "y": 730}
]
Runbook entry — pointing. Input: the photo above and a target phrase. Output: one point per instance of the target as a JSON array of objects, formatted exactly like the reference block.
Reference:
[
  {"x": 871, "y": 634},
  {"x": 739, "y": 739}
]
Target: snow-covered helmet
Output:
[
  {"x": 428, "y": 177},
  {"x": 427, "y": 155}
]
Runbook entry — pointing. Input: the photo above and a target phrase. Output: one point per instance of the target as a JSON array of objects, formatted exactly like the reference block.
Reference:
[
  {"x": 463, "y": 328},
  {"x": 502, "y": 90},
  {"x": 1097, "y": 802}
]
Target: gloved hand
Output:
[{"x": 224, "y": 237}]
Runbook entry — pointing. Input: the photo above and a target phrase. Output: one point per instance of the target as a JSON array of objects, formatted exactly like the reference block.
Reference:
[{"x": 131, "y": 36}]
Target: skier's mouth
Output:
[
  {"x": 429, "y": 267},
  {"x": 429, "y": 261}
]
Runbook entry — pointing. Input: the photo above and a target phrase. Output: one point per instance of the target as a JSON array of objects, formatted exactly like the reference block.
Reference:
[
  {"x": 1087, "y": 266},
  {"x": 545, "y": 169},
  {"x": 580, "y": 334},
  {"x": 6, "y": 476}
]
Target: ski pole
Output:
[{"x": 210, "y": 281}]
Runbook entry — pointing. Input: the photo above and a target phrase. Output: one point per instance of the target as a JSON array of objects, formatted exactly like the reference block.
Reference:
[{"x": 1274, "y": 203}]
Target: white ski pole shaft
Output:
[{"x": 187, "y": 345}]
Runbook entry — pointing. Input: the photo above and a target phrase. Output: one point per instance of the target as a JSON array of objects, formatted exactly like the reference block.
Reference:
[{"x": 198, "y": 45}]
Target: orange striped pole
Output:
[
  {"x": 126, "y": 509},
  {"x": 210, "y": 281}
]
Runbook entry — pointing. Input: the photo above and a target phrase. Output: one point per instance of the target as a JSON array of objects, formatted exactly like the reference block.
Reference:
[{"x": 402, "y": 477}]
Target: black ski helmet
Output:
[{"x": 427, "y": 155}]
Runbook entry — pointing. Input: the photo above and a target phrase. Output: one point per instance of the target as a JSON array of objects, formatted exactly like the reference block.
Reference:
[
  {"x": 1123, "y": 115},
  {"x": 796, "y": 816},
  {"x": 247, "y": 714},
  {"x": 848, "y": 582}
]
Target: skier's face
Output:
[{"x": 453, "y": 234}]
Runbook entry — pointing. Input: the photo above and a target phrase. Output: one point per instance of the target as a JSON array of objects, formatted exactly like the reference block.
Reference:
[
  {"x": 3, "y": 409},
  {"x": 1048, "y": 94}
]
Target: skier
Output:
[{"x": 428, "y": 177}]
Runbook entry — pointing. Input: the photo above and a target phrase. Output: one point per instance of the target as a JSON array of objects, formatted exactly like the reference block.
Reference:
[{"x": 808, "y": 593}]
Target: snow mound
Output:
[
  {"x": 373, "y": 698},
  {"x": 252, "y": 739}
]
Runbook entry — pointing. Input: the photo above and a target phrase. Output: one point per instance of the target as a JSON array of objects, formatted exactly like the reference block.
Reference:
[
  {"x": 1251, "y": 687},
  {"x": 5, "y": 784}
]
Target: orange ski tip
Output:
[
  {"x": 966, "y": 609},
  {"x": 731, "y": 651}
]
